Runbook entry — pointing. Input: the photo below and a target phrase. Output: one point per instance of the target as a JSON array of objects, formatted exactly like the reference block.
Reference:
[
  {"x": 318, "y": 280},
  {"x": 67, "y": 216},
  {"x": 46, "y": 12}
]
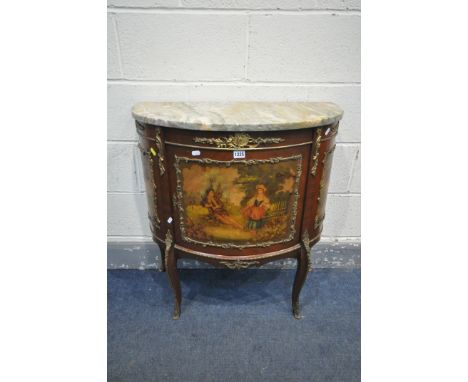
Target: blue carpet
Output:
[{"x": 234, "y": 326}]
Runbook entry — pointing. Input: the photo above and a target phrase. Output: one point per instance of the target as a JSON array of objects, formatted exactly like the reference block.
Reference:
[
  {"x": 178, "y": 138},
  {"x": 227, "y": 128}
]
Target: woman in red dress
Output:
[{"x": 256, "y": 208}]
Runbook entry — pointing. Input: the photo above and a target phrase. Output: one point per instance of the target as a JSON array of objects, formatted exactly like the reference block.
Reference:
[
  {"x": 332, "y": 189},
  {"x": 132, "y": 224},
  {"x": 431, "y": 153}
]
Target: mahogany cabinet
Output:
[{"x": 236, "y": 184}]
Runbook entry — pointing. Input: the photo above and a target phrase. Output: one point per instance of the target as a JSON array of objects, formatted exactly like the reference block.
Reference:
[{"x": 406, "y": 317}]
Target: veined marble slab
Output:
[{"x": 237, "y": 116}]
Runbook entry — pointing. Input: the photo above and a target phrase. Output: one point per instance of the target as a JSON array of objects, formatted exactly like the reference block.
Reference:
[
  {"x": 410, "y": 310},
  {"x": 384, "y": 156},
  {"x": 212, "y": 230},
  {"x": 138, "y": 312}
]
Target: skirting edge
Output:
[{"x": 145, "y": 255}]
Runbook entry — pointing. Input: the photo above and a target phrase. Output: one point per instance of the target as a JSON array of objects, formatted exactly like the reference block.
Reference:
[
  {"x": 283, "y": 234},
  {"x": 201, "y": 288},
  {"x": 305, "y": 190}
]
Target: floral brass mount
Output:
[
  {"x": 326, "y": 158},
  {"x": 319, "y": 219},
  {"x": 239, "y": 264},
  {"x": 306, "y": 242},
  {"x": 159, "y": 146},
  {"x": 237, "y": 141},
  {"x": 316, "y": 153}
]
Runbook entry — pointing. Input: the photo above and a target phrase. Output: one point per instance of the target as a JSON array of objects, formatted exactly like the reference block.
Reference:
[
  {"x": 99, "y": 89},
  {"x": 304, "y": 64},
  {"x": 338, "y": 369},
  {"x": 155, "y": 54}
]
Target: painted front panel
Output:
[{"x": 238, "y": 203}]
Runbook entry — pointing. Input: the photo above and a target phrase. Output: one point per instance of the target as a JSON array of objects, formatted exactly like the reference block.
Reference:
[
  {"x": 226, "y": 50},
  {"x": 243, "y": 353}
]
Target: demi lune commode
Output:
[{"x": 236, "y": 184}]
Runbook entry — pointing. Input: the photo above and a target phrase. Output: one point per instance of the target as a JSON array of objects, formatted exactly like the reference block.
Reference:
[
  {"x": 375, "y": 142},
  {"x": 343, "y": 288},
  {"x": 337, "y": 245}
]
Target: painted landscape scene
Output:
[{"x": 241, "y": 203}]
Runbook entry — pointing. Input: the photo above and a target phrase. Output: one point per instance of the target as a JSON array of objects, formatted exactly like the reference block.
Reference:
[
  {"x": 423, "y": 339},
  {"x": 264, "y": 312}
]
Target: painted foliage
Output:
[{"x": 238, "y": 203}]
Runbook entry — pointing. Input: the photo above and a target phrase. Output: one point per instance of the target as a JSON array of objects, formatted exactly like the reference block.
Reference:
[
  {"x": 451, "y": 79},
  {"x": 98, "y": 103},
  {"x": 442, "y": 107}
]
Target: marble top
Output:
[{"x": 237, "y": 116}]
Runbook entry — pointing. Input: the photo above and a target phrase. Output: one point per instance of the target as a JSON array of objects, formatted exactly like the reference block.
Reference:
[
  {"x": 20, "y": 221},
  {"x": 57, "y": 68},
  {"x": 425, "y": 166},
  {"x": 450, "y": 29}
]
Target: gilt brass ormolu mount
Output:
[
  {"x": 238, "y": 141},
  {"x": 239, "y": 212}
]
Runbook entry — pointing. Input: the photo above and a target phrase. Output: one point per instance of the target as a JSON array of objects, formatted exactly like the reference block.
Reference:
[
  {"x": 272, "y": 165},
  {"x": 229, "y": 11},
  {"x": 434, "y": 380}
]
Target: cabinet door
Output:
[
  {"x": 238, "y": 203},
  {"x": 229, "y": 200}
]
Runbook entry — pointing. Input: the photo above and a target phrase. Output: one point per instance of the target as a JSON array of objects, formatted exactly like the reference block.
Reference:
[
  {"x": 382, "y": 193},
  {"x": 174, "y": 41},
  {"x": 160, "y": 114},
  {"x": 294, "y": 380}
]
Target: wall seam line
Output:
[
  {"x": 247, "y": 49},
  {"x": 240, "y": 11},
  {"x": 129, "y": 81},
  {"x": 117, "y": 36},
  {"x": 353, "y": 166}
]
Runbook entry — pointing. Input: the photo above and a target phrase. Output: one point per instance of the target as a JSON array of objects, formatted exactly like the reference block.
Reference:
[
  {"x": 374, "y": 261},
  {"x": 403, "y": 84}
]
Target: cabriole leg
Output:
[
  {"x": 172, "y": 273},
  {"x": 301, "y": 274}
]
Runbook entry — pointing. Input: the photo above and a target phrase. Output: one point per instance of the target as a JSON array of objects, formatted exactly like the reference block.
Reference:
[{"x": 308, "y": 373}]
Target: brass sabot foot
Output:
[
  {"x": 176, "y": 314},
  {"x": 296, "y": 311}
]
